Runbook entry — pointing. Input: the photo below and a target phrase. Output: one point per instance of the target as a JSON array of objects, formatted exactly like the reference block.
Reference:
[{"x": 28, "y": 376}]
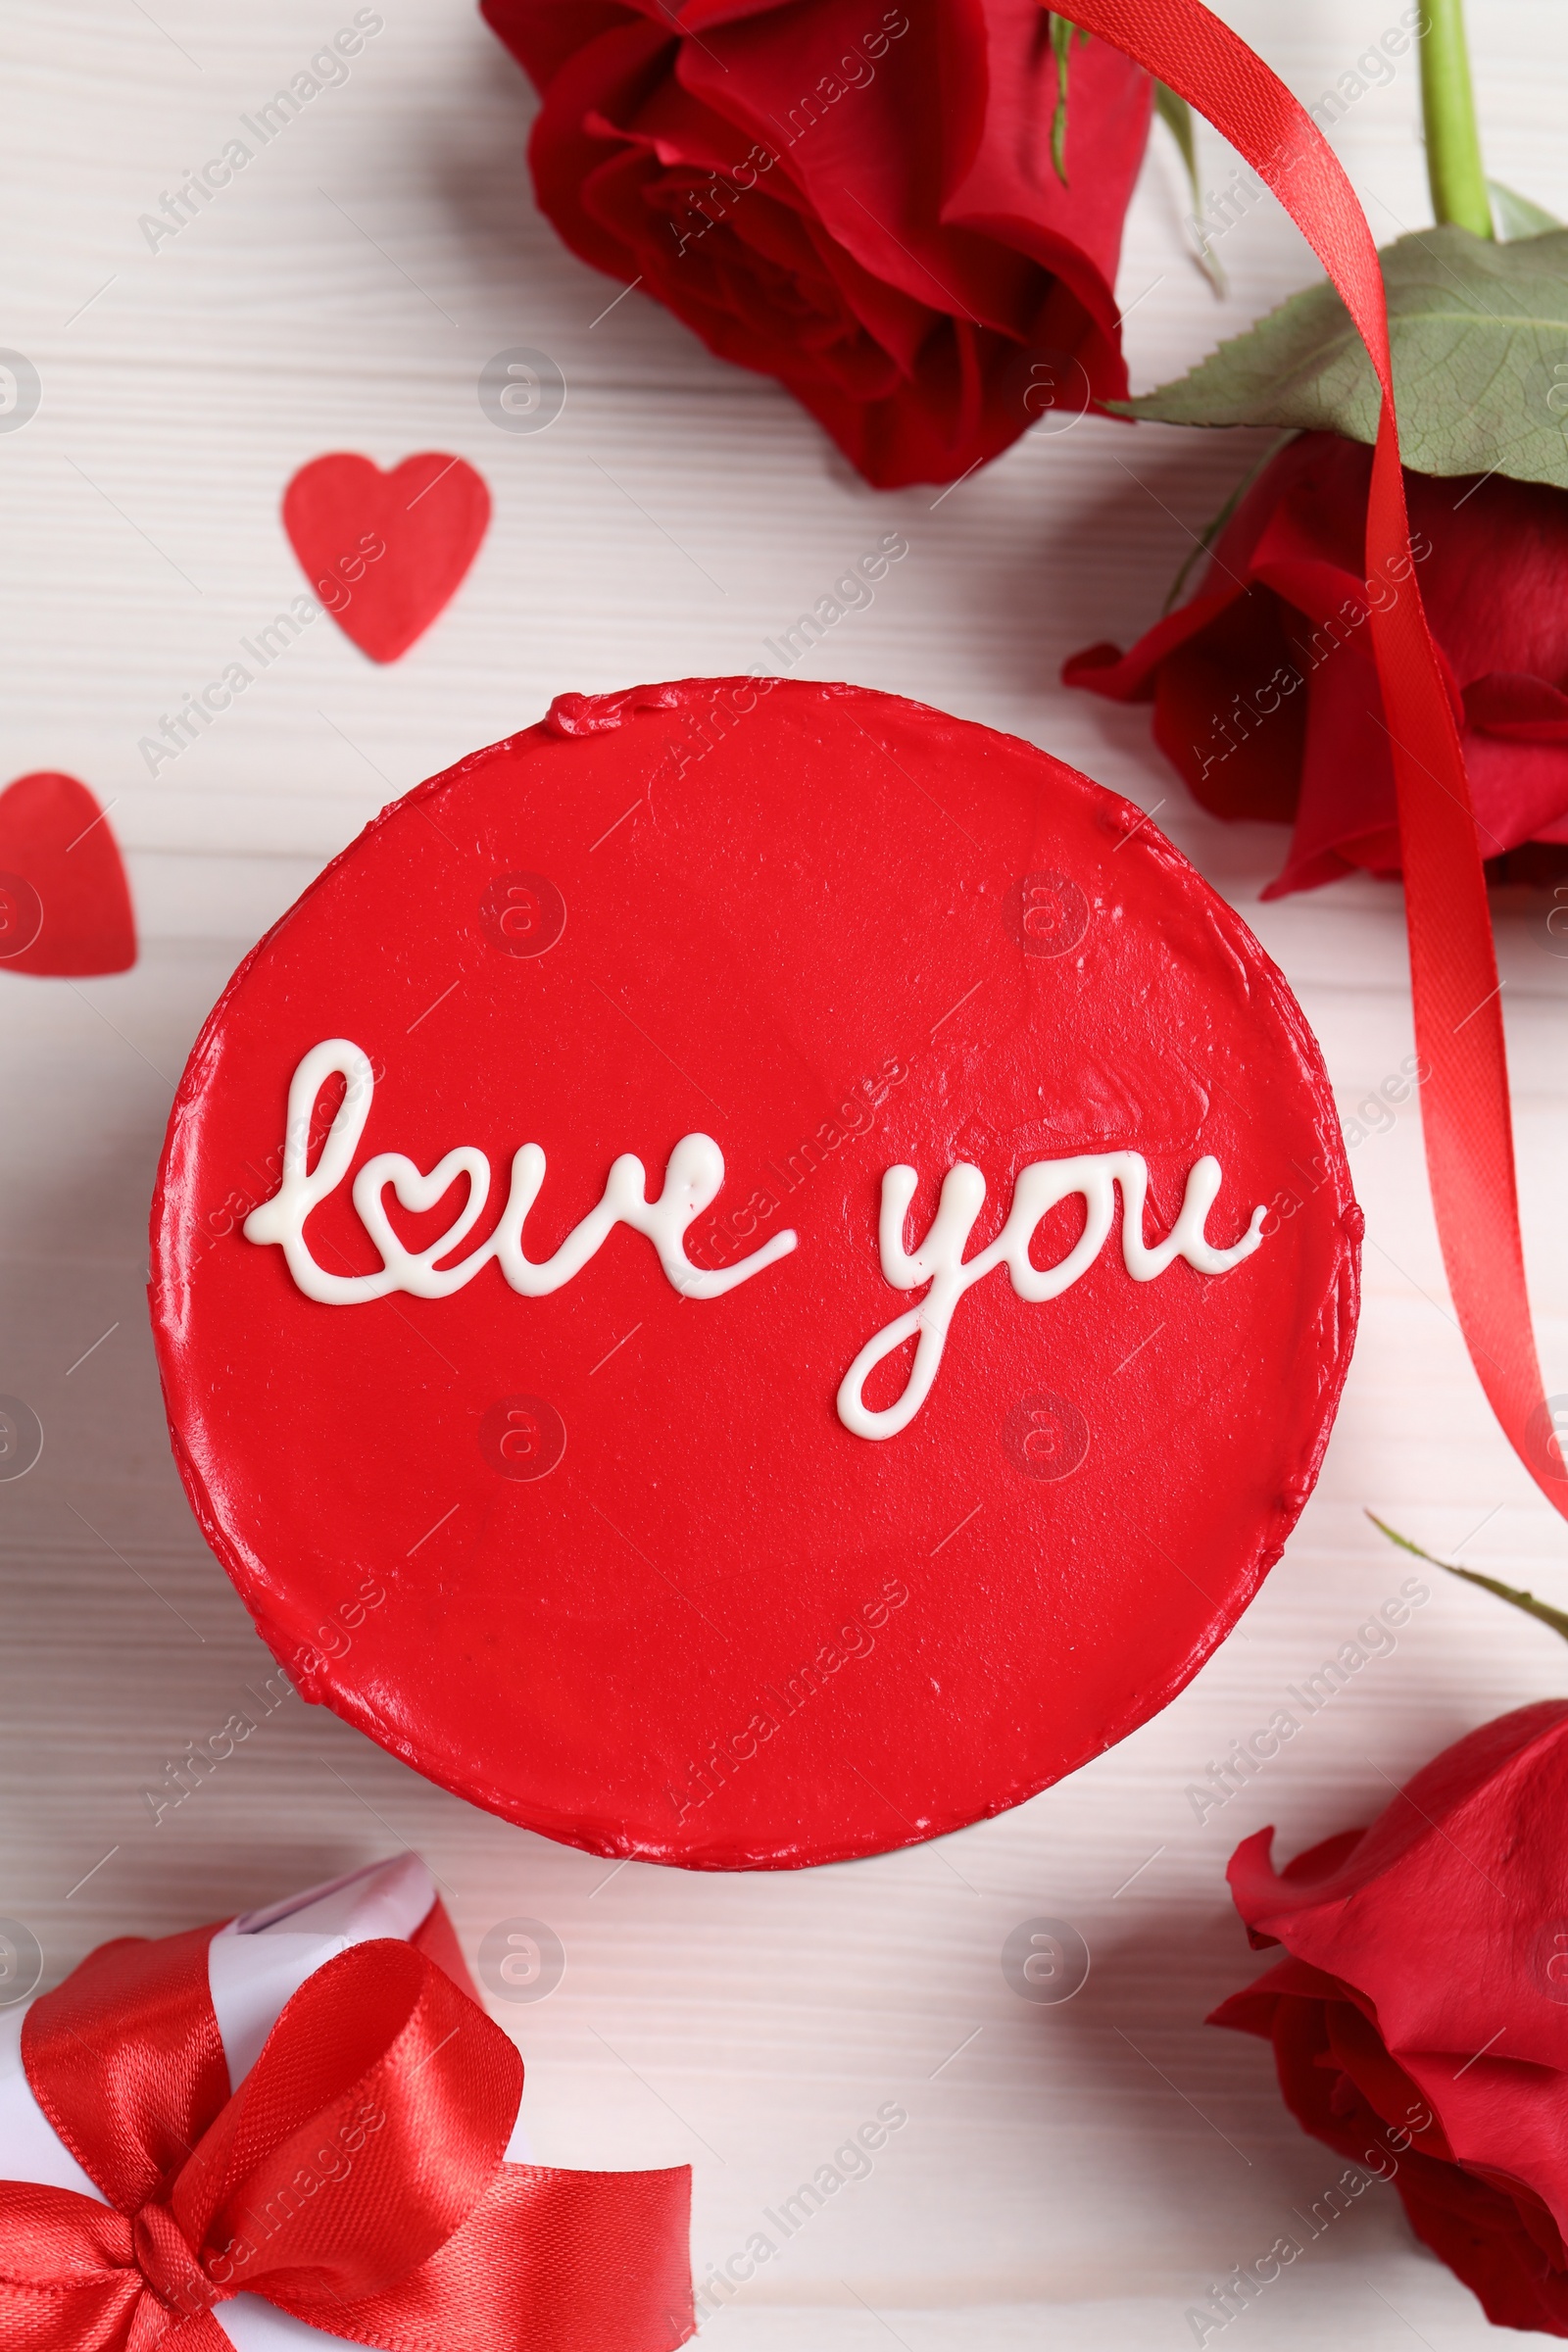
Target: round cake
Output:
[{"x": 753, "y": 1274}]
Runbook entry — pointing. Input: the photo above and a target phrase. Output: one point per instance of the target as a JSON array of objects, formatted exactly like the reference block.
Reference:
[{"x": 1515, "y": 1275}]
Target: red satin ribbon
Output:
[
  {"x": 353, "y": 2180},
  {"x": 1454, "y": 968}
]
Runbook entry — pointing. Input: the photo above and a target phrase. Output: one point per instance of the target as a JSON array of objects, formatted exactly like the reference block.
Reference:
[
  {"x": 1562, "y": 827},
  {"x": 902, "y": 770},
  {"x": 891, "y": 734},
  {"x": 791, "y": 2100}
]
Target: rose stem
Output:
[
  {"x": 1448, "y": 111},
  {"x": 1489, "y": 1583}
]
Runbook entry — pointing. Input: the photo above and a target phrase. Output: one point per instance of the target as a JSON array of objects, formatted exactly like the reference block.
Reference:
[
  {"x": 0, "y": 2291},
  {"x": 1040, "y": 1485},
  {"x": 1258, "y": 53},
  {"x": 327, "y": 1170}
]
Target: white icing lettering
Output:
[
  {"x": 940, "y": 1262},
  {"x": 692, "y": 1179}
]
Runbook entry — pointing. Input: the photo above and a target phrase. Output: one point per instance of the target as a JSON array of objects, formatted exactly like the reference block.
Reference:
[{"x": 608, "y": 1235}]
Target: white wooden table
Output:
[{"x": 1068, "y": 2175}]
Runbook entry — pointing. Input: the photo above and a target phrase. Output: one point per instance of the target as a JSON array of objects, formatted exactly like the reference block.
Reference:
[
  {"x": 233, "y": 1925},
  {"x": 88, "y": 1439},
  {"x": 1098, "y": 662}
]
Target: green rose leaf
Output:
[
  {"x": 1518, "y": 216},
  {"x": 1480, "y": 339}
]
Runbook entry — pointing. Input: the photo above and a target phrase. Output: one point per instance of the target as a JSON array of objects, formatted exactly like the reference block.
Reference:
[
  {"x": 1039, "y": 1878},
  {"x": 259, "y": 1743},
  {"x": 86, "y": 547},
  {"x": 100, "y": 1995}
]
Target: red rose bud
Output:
[
  {"x": 1420, "y": 2022},
  {"x": 1264, "y": 687},
  {"x": 858, "y": 200}
]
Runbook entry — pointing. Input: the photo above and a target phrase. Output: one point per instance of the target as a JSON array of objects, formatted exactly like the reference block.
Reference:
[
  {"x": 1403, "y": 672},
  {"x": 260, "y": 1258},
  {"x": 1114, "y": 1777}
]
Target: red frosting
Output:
[{"x": 609, "y": 1562}]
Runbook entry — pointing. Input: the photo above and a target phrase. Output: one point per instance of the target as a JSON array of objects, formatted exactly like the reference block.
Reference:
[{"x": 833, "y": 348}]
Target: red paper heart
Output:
[
  {"x": 614, "y": 1552},
  {"x": 386, "y": 552},
  {"x": 65, "y": 905}
]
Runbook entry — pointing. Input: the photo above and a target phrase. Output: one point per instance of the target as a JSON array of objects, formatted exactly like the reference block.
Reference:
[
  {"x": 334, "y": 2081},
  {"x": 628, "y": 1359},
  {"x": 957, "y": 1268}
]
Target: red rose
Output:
[
  {"x": 857, "y": 200},
  {"x": 1420, "y": 2023},
  {"x": 1265, "y": 693}
]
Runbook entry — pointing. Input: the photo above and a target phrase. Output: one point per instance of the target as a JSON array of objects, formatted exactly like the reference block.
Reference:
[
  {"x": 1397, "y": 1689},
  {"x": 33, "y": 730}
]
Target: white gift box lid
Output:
[{"x": 256, "y": 1964}]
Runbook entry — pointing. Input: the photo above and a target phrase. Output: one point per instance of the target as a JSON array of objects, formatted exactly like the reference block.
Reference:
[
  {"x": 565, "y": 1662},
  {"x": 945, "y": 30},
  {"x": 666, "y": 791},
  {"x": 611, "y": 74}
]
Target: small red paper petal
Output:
[
  {"x": 65, "y": 903},
  {"x": 386, "y": 553}
]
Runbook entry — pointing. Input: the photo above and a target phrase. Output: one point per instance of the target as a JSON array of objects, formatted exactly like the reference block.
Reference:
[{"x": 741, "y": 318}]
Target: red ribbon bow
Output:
[{"x": 355, "y": 2179}]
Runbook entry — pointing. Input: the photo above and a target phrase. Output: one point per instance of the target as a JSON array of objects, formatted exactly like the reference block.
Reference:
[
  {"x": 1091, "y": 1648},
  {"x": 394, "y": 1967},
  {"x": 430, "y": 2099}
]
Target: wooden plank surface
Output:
[{"x": 1068, "y": 2175}]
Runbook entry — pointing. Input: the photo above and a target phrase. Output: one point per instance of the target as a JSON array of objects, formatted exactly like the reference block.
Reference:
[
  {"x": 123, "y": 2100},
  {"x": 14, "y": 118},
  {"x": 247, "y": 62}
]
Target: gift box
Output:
[{"x": 299, "y": 2128}]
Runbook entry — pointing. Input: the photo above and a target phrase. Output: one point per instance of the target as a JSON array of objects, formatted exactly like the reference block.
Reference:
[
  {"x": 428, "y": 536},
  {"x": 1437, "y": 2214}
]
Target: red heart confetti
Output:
[
  {"x": 386, "y": 552},
  {"x": 65, "y": 905}
]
